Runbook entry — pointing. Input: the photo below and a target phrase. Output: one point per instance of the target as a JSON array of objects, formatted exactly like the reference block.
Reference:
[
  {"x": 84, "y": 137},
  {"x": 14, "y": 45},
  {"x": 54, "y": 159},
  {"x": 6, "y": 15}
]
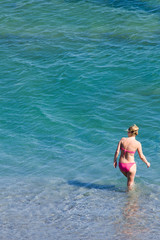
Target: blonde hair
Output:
[{"x": 133, "y": 130}]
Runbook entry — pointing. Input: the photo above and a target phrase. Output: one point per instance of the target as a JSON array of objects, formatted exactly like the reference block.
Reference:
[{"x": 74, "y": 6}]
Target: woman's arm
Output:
[
  {"x": 141, "y": 155},
  {"x": 116, "y": 154}
]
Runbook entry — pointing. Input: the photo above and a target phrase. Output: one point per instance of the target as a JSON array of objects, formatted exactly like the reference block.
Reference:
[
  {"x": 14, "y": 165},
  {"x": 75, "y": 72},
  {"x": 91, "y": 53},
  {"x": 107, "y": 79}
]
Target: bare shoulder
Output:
[
  {"x": 122, "y": 139},
  {"x": 138, "y": 144}
]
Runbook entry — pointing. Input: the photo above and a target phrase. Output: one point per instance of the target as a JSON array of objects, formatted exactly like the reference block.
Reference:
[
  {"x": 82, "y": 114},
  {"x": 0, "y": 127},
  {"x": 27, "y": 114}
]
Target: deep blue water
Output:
[{"x": 74, "y": 75}]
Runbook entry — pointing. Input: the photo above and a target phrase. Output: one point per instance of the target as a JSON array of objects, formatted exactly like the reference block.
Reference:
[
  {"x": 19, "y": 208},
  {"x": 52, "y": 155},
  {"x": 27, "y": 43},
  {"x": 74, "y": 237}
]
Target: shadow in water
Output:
[{"x": 94, "y": 186}]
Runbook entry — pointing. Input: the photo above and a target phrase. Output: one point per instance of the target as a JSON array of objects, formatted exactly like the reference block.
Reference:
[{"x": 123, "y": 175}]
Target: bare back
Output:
[{"x": 128, "y": 147}]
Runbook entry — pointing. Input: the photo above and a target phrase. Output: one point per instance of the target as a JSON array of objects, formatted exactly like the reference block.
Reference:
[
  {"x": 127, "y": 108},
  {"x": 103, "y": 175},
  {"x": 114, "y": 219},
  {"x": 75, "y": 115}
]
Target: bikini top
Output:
[{"x": 127, "y": 151}]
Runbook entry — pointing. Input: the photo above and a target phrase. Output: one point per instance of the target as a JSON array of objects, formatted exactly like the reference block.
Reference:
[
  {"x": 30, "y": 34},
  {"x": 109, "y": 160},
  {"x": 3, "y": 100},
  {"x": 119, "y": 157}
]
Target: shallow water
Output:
[
  {"x": 74, "y": 76},
  {"x": 43, "y": 208}
]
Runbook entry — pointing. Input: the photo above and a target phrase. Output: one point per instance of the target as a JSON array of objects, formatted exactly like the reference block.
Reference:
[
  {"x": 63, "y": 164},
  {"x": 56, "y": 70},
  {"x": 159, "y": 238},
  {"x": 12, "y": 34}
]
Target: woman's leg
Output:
[
  {"x": 130, "y": 176},
  {"x": 124, "y": 173}
]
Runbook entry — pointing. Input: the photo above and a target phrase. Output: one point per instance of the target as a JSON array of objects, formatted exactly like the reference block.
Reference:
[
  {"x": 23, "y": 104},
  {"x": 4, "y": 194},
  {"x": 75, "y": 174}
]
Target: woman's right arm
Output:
[
  {"x": 116, "y": 154},
  {"x": 141, "y": 155}
]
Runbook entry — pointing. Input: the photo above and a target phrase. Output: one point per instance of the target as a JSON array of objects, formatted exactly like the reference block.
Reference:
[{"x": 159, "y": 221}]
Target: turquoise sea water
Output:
[{"x": 74, "y": 75}]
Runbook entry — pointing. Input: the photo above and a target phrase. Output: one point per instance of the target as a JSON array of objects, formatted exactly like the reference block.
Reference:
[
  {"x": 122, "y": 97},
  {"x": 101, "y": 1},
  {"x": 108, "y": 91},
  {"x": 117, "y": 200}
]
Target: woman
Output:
[{"x": 128, "y": 147}]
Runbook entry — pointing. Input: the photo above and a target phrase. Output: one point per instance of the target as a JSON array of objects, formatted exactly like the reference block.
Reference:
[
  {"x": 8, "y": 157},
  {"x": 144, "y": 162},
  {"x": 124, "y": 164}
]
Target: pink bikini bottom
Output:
[{"x": 125, "y": 167}]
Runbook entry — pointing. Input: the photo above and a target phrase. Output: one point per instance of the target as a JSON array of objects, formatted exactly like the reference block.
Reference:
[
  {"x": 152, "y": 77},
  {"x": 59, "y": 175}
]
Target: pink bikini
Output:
[{"x": 125, "y": 167}]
